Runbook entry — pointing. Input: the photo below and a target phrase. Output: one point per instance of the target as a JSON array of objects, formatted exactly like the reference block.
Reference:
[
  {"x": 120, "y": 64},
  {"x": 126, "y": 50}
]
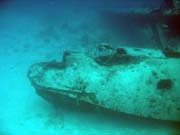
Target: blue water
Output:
[{"x": 40, "y": 30}]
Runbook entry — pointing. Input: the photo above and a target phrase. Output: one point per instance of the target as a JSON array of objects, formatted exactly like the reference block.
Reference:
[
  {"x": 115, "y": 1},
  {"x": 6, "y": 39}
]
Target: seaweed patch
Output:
[{"x": 165, "y": 84}]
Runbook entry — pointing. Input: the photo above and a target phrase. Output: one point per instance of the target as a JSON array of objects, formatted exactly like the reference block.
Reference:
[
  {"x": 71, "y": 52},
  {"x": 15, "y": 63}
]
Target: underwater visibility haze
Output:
[{"x": 88, "y": 67}]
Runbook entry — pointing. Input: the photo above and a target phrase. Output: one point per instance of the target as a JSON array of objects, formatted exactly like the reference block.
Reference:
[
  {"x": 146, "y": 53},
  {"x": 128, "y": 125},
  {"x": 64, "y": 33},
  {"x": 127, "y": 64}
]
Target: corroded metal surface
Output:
[{"x": 141, "y": 82}]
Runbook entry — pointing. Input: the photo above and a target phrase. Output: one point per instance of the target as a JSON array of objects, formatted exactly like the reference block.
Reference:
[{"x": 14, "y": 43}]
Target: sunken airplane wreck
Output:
[
  {"x": 140, "y": 82},
  {"x": 136, "y": 81},
  {"x": 157, "y": 28}
]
